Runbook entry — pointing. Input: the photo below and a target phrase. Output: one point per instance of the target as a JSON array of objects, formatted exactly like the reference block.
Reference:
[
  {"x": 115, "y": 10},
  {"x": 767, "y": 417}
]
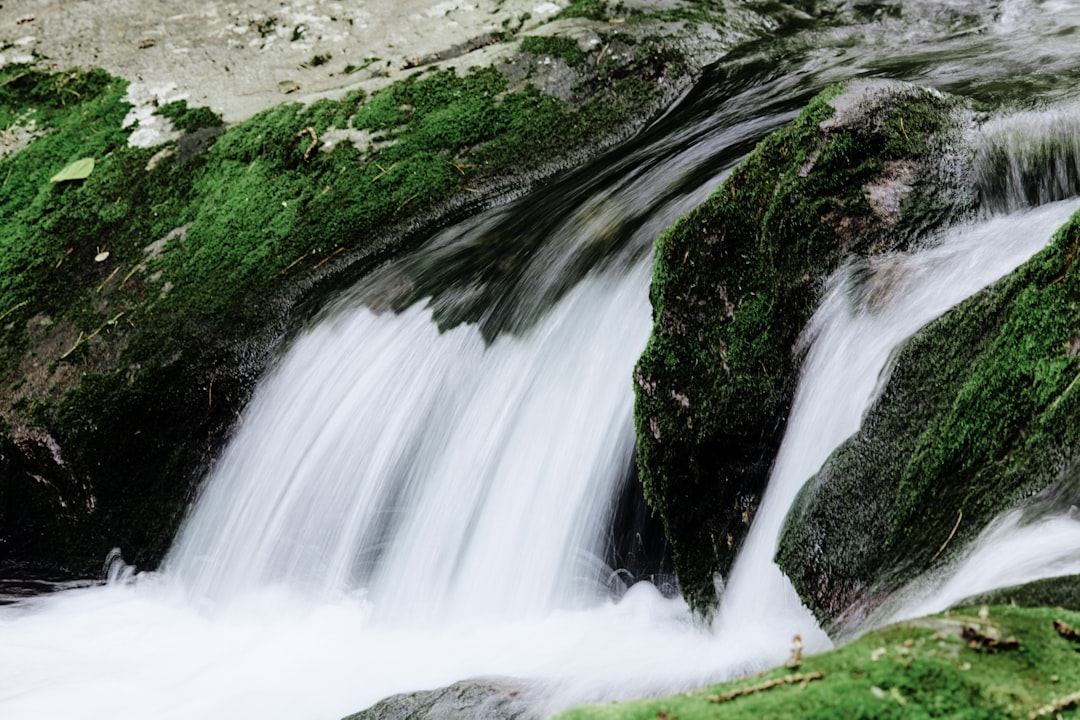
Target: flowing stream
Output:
[{"x": 423, "y": 486}]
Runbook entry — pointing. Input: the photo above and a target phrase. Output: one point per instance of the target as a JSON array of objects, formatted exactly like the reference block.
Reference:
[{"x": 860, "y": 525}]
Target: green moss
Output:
[
  {"x": 733, "y": 285},
  {"x": 560, "y": 47},
  {"x": 589, "y": 9},
  {"x": 917, "y": 669},
  {"x": 692, "y": 14},
  {"x": 189, "y": 119},
  {"x": 1061, "y": 591}
]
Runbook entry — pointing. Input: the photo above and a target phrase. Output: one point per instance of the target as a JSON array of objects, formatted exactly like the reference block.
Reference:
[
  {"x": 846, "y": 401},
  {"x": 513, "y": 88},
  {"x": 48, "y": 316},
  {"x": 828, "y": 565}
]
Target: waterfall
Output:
[
  {"x": 442, "y": 476},
  {"x": 417, "y": 498},
  {"x": 426, "y": 534}
]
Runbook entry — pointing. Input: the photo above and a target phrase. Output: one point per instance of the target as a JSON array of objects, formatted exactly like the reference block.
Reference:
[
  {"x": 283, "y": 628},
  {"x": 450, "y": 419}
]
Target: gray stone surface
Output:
[{"x": 241, "y": 57}]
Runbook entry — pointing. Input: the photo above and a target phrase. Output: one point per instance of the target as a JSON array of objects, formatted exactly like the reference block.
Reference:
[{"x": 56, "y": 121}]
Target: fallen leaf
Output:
[{"x": 78, "y": 170}]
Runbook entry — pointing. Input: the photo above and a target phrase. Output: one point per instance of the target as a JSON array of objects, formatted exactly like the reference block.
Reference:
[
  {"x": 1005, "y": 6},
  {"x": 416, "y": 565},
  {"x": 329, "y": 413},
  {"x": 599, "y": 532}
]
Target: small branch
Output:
[
  {"x": 786, "y": 680},
  {"x": 406, "y": 202},
  {"x": 291, "y": 265},
  {"x": 941, "y": 549},
  {"x": 328, "y": 258},
  {"x": 78, "y": 342},
  {"x": 987, "y": 641},
  {"x": 106, "y": 280},
  {"x": 314, "y": 141},
  {"x": 1065, "y": 392},
  {"x": 1055, "y": 707},
  {"x": 127, "y": 277},
  {"x": 24, "y": 303},
  {"x": 795, "y": 660},
  {"x": 383, "y": 170}
]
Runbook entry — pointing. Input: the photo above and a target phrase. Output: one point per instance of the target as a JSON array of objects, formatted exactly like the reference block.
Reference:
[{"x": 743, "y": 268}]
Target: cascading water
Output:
[
  {"x": 474, "y": 468},
  {"x": 871, "y": 309},
  {"x": 404, "y": 508}
]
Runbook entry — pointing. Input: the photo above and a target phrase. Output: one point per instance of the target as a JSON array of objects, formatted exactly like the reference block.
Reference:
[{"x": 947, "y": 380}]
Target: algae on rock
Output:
[{"x": 860, "y": 171}]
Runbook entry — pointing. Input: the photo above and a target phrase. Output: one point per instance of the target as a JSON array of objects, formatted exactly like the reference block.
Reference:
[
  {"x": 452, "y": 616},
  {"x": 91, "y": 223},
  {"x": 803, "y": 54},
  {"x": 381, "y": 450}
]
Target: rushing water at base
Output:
[{"x": 404, "y": 508}]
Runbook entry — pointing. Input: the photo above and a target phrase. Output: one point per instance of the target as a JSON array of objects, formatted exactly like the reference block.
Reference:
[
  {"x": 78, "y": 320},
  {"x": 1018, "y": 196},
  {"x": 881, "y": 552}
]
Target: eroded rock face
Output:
[
  {"x": 861, "y": 171},
  {"x": 980, "y": 416}
]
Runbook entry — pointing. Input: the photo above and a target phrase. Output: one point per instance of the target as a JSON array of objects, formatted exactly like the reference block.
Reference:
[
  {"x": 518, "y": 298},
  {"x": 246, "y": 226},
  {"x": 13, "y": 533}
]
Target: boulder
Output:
[{"x": 479, "y": 699}]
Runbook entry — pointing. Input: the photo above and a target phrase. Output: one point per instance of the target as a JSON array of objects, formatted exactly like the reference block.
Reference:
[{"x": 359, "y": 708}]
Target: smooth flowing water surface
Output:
[{"x": 423, "y": 486}]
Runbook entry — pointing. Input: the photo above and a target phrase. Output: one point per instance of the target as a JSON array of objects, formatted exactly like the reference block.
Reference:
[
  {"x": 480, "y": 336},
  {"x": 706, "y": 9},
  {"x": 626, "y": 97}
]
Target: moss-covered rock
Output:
[
  {"x": 1063, "y": 591},
  {"x": 138, "y": 305},
  {"x": 979, "y": 415},
  {"x": 860, "y": 171},
  {"x": 1001, "y": 663}
]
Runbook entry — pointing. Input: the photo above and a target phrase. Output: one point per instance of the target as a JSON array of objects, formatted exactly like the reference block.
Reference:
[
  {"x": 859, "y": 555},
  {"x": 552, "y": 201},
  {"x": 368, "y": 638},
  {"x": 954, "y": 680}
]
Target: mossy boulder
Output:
[
  {"x": 140, "y": 303},
  {"x": 863, "y": 170},
  {"x": 992, "y": 662},
  {"x": 1063, "y": 591},
  {"x": 981, "y": 414}
]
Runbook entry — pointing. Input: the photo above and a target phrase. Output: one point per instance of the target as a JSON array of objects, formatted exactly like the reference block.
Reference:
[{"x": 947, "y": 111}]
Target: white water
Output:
[
  {"x": 262, "y": 610},
  {"x": 379, "y": 444}
]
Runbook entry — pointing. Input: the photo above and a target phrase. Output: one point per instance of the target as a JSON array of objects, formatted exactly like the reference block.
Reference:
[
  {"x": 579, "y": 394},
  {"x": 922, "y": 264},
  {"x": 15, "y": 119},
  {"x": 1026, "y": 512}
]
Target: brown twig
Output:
[
  {"x": 314, "y": 141},
  {"x": 328, "y": 258},
  {"x": 941, "y": 549},
  {"x": 982, "y": 641},
  {"x": 786, "y": 680},
  {"x": 11, "y": 310},
  {"x": 106, "y": 280},
  {"x": 1056, "y": 706}
]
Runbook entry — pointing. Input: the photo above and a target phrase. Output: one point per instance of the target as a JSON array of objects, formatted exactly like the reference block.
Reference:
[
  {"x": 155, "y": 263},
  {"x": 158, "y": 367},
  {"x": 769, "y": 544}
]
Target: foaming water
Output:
[{"x": 286, "y": 624}]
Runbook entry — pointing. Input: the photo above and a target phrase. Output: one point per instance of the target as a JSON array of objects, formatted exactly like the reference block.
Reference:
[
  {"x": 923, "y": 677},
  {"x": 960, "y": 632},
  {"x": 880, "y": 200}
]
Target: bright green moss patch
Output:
[
  {"x": 553, "y": 46},
  {"x": 590, "y": 9},
  {"x": 733, "y": 285},
  {"x": 938, "y": 667},
  {"x": 189, "y": 119},
  {"x": 979, "y": 415}
]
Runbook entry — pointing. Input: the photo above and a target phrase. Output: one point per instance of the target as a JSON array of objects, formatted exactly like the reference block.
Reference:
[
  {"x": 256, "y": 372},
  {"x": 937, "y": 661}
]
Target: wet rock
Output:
[{"x": 481, "y": 699}]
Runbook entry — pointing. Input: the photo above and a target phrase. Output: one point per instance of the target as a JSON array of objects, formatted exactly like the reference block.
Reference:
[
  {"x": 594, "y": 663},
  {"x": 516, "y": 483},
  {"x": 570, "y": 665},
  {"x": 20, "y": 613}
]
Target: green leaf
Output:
[{"x": 78, "y": 170}]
